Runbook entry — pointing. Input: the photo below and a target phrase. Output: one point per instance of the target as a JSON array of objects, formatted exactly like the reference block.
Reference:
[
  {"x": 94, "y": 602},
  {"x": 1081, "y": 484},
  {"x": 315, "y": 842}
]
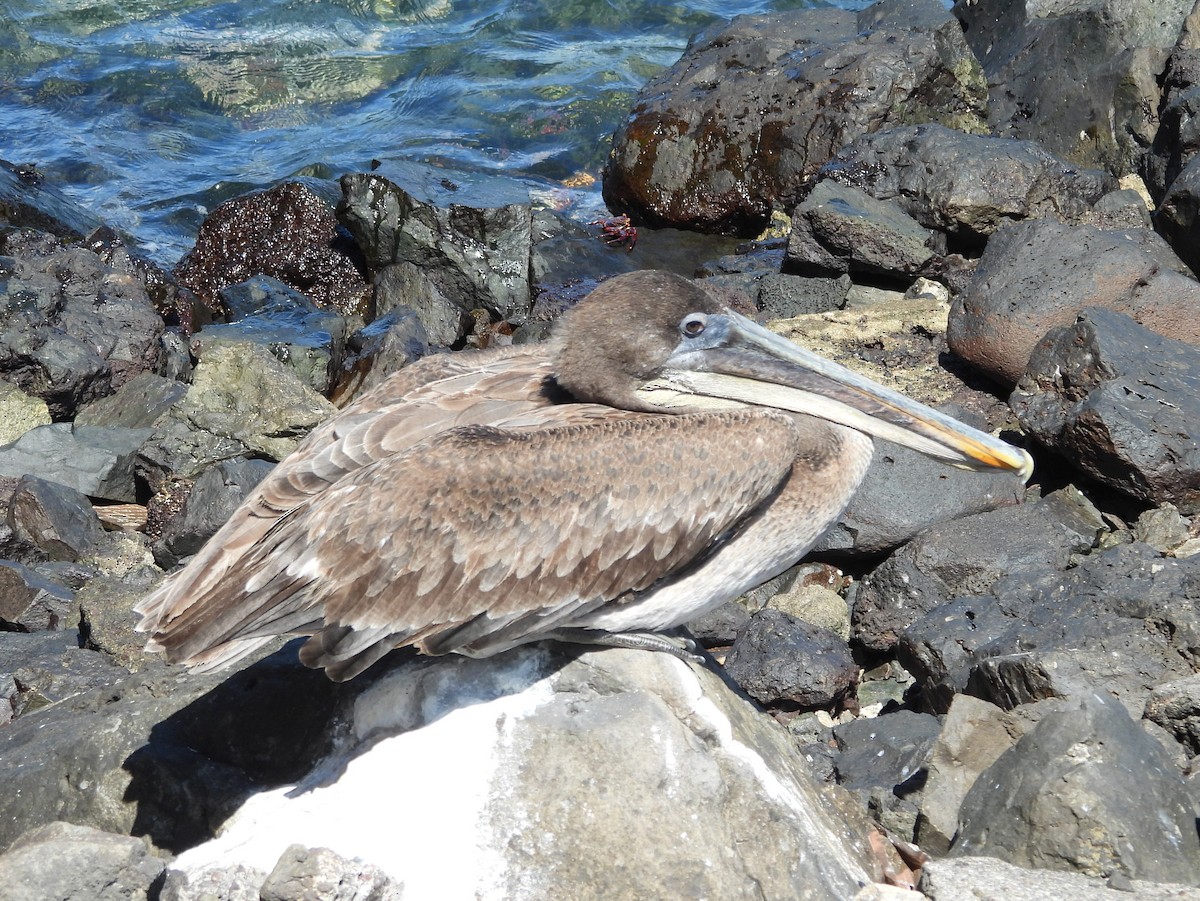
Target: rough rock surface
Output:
[
  {"x": 1119, "y": 401},
  {"x": 689, "y": 156},
  {"x": 1087, "y": 790},
  {"x": 1041, "y": 274},
  {"x": 966, "y": 185},
  {"x": 286, "y": 232},
  {"x": 1082, "y": 79},
  {"x": 78, "y": 863}
]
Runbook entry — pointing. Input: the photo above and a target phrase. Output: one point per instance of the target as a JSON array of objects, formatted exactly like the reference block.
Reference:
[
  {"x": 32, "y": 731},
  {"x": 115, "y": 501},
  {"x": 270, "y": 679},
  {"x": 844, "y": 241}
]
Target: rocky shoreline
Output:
[{"x": 972, "y": 688}]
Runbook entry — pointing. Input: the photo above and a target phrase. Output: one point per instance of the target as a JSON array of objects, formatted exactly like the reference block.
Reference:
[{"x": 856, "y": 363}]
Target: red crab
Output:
[{"x": 617, "y": 231}]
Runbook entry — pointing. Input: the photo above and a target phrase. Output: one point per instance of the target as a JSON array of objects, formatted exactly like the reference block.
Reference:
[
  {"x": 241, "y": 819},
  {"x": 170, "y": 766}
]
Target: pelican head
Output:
[{"x": 655, "y": 342}]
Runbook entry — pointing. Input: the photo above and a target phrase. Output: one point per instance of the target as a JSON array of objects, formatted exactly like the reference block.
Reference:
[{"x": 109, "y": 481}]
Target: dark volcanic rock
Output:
[
  {"x": 840, "y": 229},
  {"x": 472, "y": 257},
  {"x": 782, "y": 661},
  {"x": 216, "y": 493},
  {"x": 884, "y": 751},
  {"x": 1082, "y": 80},
  {"x": 1125, "y": 619},
  {"x": 966, "y": 185},
  {"x": 73, "y": 329},
  {"x": 1177, "y": 140},
  {"x": 390, "y": 342},
  {"x": 1038, "y": 275},
  {"x": 1120, "y": 402},
  {"x": 95, "y": 460},
  {"x": 1176, "y": 707},
  {"x": 28, "y": 201},
  {"x": 57, "y": 519},
  {"x": 966, "y": 557},
  {"x": 1087, "y": 789},
  {"x": 286, "y": 232},
  {"x": 1176, "y": 216},
  {"x": 78, "y": 863},
  {"x": 753, "y": 108}
]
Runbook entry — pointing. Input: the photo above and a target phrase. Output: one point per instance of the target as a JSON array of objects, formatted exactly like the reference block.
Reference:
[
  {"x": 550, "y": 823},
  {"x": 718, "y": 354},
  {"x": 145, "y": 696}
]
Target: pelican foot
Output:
[{"x": 682, "y": 646}]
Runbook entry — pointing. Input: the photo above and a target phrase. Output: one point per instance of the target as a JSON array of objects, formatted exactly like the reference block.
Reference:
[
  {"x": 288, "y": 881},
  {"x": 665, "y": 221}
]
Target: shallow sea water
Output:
[{"x": 151, "y": 114}]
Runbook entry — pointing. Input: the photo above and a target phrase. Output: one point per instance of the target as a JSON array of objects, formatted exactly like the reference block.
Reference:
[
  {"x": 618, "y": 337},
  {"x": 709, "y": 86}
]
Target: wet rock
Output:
[
  {"x": 966, "y": 557},
  {"x": 318, "y": 874},
  {"x": 841, "y": 229},
  {"x": 1125, "y": 619},
  {"x": 783, "y": 661},
  {"x": 446, "y": 320},
  {"x": 28, "y": 201},
  {"x": 1176, "y": 707},
  {"x": 905, "y": 492},
  {"x": 30, "y": 602},
  {"x": 215, "y": 494},
  {"x": 973, "y": 735},
  {"x": 1037, "y": 275},
  {"x": 989, "y": 879},
  {"x": 286, "y": 232},
  {"x": 888, "y": 751},
  {"x": 966, "y": 185},
  {"x": 570, "y": 727},
  {"x": 1120, "y": 402},
  {"x": 55, "y": 518},
  {"x": 95, "y": 460},
  {"x": 19, "y": 412},
  {"x": 296, "y": 331},
  {"x": 1056, "y": 78},
  {"x": 477, "y": 257},
  {"x": 78, "y": 863},
  {"x": 568, "y": 261},
  {"x": 1087, "y": 790},
  {"x": 79, "y": 331},
  {"x": 390, "y": 342},
  {"x": 754, "y": 107}
]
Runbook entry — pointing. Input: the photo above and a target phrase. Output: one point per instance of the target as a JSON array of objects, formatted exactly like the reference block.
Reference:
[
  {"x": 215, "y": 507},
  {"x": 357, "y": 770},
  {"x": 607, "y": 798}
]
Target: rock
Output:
[
  {"x": 973, "y": 735},
  {"x": 390, "y": 342},
  {"x": 299, "y": 334},
  {"x": 242, "y": 400},
  {"x": 78, "y": 863},
  {"x": 445, "y": 320},
  {"x": 97, "y": 461},
  {"x": 19, "y": 413},
  {"x": 782, "y": 295},
  {"x": 1120, "y": 402},
  {"x": 1124, "y": 618},
  {"x": 816, "y": 605},
  {"x": 783, "y": 661},
  {"x": 79, "y": 331},
  {"x": 106, "y": 618},
  {"x": 526, "y": 730},
  {"x": 236, "y": 883},
  {"x": 1176, "y": 141},
  {"x": 1176, "y": 218},
  {"x": 215, "y": 494},
  {"x": 888, "y": 751},
  {"x": 57, "y": 519},
  {"x": 1082, "y": 81},
  {"x": 286, "y": 232},
  {"x": 48, "y": 669},
  {"x": 966, "y": 185},
  {"x": 752, "y": 109},
  {"x": 905, "y": 492},
  {"x": 138, "y": 404},
  {"x": 841, "y": 229},
  {"x": 1162, "y": 528},
  {"x": 318, "y": 874},
  {"x": 478, "y": 257},
  {"x": 30, "y": 602},
  {"x": 964, "y": 557},
  {"x": 27, "y": 200},
  {"x": 720, "y": 627},
  {"x": 1176, "y": 707},
  {"x": 1087, "y": 790},
  {"x": 1035, "y": 276},
  {"x": 989, "y": 879}
]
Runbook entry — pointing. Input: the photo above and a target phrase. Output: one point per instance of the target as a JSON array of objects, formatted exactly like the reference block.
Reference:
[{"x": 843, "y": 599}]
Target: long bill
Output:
[{"x": 747, "y": 364}]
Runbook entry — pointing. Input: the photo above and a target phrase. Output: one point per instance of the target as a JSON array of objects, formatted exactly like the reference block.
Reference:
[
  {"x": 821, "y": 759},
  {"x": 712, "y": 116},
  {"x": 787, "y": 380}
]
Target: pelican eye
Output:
[{"x": 693, "y": 324}]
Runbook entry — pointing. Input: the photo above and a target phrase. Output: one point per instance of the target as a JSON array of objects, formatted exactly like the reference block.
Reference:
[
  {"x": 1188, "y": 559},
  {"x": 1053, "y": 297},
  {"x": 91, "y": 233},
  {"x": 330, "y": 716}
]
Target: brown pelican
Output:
[{"x": 661, "y": 456}]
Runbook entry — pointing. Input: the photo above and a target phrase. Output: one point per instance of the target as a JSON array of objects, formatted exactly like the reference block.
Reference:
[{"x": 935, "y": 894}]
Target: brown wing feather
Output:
[
  {"x": 416, "y": 544},
  {"x": 408, "y": 407}
]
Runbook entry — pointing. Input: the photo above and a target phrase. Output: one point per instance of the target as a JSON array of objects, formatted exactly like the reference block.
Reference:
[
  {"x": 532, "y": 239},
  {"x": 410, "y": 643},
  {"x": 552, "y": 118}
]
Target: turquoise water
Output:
[{"x": 150, "y": 114}]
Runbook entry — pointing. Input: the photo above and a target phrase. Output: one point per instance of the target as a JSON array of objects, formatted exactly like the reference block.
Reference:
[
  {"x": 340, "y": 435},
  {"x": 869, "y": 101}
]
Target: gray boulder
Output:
[
  {"x": 1121, "y": 403},
  {"x": 1086, "y": 790},
  {"x": 78, "y": 863},
  {"x": 1037, "y": 275},
  {"x": 752, "y": 109}
]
